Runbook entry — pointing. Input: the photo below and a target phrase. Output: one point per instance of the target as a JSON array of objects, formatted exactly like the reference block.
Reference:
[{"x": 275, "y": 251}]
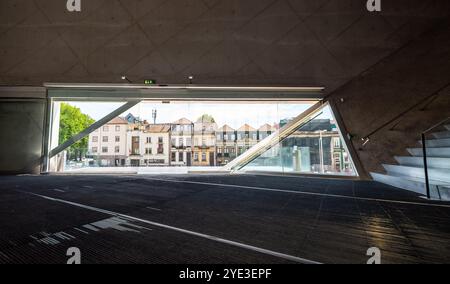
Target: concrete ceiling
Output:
[{"x": 263, "y": 42}]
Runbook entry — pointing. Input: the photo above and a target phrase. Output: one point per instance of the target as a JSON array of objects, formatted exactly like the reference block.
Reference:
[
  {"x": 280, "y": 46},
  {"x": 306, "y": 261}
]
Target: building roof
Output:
[
  {"x": 157, "y": 128},
  {"x": 267, "y": 127},
  {"x": 182, "y": 121},
  {"x": 226, "y": 128},
  {"x": 118, "y": 120},
  {"x": 246, "y": 127}
]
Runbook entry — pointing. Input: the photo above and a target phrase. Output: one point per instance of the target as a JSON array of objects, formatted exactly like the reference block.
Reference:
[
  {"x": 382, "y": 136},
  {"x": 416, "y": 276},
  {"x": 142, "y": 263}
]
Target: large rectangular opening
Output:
[{"x": 183, "y": 129}]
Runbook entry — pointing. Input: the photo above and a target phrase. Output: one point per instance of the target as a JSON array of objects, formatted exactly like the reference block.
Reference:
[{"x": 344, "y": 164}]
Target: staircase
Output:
[{"x": 409, "y": 174}]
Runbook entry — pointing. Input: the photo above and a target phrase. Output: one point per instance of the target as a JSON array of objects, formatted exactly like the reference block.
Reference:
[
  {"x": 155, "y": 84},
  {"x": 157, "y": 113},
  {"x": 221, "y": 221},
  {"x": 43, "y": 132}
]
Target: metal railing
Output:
[{"x": 425, "y": 158}]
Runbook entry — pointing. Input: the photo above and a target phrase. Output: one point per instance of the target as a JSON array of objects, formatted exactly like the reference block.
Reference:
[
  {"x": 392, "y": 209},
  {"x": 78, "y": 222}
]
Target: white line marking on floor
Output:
[
  {"x": 205, "y": 236},
  {"x": 57, "y": 190},
  {"x": 301, "y": 192},
  {"x": 155, "y": 209},
  {"x": 84, "y": 232}
]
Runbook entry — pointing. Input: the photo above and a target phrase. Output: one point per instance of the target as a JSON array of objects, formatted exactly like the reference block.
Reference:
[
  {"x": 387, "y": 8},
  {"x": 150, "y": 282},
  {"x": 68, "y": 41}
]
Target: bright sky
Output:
[{"x": 233, "y": 114}]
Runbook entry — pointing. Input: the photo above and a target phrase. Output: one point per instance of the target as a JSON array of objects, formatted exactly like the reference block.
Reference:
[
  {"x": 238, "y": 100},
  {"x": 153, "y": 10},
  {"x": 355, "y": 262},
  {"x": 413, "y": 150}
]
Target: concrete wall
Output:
[
  {"x": 21, "y": 123},
  {"x": 398, "y": 98},
  {"x": 264, "y": 42},
  {"x": 380, "y": 63}
]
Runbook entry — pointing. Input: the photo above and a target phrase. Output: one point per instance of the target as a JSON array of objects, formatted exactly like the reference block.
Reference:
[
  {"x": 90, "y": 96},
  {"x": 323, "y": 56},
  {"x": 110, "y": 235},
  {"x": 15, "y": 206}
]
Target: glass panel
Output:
[
  {"x": 313, "y": 148},
  {"x": 181, "y": 135}
]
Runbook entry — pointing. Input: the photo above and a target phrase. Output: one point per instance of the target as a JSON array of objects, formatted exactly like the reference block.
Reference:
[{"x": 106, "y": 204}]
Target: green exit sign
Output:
[{"x": 149, "y": 82}]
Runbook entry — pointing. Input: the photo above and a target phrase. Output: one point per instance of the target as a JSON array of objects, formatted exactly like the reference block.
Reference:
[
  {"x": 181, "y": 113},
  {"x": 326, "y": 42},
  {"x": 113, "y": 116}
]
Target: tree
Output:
[
  {"x": 73, "y": 121},
  {"x": 206, "y": 118}
]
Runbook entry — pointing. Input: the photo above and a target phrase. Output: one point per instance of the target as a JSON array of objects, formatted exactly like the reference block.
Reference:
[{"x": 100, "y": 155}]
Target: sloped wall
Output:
[{"x": 399, "y": 98}]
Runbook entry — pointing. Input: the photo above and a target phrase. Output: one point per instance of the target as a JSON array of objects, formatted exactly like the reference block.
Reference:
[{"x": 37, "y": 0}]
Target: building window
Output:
[
  {"x": 180, "y": 142},
  {"x": 117, "y": 138},
  {"x": 149, "y": 140},
  {"x": 219, "y": 150},
  {"x": 239, "y": 137},
  {"x": 255, "y": 137},
  {"x": 218, "y": 137},
  {"x": 174, "y": 157},
  {"x": 94, "y": 149},
  {"x": 203, "y": 156},
  {"x": 106, "y": 128},
  {"x": 337, "y": 143},
  {"x": 173, "y": 141},
  {"x": 196, "y": 156},
  {"x": 233, "y": 137},
  {"x": 180, "y": 157},
  {"x": 135, "y": 145},
  {"x": 104, "y": 149},
  {"x": 117, "y": 128},
  {"x": 189, "y": 142},
  {"x": 105, "y": 138},
  {"x": 204, "y": 142},
  {"x": 117, "y": 149},
  {"x": 160, "y": 145},
  {"x": 148, "y": 151},
  {"x": 94, "y": 138}
]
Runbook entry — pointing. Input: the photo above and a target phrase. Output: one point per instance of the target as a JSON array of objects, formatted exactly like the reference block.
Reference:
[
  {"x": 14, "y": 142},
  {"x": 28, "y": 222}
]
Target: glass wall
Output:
[
  {"x": 313, "y": 148},
  {"x": 174, "y": 137}
]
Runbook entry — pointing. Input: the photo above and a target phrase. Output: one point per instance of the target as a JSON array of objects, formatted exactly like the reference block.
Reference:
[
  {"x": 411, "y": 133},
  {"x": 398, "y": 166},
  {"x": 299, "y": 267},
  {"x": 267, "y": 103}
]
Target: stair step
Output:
[
  {"x": 431, "y": 152},
  {"x": 433, "y": 162},
  {"x": 440, "y": 175},
  {"x": 410, "y": 184},
  {"x": 444, "y": 192},
  {"x": 441, "y": 135},
  {"x": 438, "y": 143}
]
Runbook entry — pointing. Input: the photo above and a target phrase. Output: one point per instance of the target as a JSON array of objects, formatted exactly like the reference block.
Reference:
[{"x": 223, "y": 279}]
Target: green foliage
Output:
[
  {"x": 72, "y": 122},
  {"x": 206, "y": 118}
]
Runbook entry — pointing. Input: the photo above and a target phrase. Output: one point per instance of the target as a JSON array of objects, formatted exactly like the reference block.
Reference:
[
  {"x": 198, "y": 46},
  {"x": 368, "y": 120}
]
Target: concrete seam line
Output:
[
  {"x": 302, "y": 192},
  {"x": 201, "y": 235}
]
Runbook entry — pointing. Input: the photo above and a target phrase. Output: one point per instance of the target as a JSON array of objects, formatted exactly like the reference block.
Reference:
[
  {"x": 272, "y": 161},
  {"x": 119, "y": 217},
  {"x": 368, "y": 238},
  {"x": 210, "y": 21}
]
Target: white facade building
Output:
[
  {"x": 108, "y": 144},
  {"x": 156, "y": 145},
  {"x": 182, "y": 132}
]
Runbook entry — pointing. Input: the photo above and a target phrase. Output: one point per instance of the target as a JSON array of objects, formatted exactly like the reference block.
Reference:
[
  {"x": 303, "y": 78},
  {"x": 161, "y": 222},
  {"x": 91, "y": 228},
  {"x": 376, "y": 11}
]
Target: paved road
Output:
[{"x": 216, "y": 219}]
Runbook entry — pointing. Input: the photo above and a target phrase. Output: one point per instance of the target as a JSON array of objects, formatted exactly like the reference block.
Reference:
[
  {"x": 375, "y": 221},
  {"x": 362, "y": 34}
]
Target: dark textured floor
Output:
[{"x": 327, "y": 221}]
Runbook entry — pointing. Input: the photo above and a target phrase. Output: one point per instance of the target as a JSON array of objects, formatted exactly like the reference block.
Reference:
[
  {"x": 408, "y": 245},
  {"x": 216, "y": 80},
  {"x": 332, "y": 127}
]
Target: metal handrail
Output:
[{"x": 424, "y": 149}]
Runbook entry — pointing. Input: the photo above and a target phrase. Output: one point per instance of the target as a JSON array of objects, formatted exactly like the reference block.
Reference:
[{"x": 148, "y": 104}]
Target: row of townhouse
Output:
[{"x": 131, "y": 142}]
